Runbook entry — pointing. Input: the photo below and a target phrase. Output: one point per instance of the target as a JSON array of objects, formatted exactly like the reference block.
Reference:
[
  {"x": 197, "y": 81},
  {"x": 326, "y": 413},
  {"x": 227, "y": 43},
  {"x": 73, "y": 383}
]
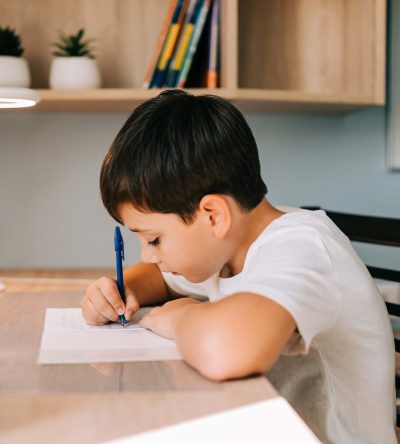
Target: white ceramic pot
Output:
[
  {"x": 74, "y": 73},
  {"x": 14, "y": 71}
]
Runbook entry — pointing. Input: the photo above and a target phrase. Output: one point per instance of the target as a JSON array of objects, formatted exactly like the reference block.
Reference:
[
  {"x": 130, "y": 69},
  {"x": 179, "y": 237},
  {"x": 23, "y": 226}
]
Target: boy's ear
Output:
[{"x": 217, "y": 213}]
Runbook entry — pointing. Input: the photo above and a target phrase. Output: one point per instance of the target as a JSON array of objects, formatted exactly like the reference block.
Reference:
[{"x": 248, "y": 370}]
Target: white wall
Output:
[{"x": 50, "y": 209}]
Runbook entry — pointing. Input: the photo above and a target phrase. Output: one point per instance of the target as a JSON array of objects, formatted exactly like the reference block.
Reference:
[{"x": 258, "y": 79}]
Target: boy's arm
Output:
[
  {"x": 240, "y": 335},
  {"x": 147, "y": 284}
]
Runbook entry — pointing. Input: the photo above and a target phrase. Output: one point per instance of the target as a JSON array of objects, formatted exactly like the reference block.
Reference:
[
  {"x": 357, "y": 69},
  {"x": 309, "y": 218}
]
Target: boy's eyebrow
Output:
[{"x": 137, "y": 230}]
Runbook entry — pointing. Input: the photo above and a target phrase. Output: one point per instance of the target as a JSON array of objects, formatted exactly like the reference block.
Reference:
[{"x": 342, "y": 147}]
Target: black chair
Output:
[{"x": 373, "y": 230}]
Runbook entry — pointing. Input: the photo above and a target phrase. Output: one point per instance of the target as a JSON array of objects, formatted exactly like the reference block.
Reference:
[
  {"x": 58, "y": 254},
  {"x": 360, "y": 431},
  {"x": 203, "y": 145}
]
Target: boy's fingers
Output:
[
  {"x": 109, "y": 290},
  {"x": 132, "y": 305},
  {"x": 105, "y": 298},
  {"x": 147, "y": 322},
  {"x": 91, "y": 315},
  {"x": 102, "y": 305}
]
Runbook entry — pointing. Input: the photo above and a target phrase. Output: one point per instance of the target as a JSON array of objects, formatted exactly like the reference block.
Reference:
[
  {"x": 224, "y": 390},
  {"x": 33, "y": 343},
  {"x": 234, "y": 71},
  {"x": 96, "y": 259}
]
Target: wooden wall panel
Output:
[
  {"x": 126, "y": 32},
  {"x": 317, "y": 46}
]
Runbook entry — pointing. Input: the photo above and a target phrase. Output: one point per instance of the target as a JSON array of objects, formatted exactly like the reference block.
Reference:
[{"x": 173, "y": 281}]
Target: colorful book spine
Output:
[
  {"x": 193, "y": 44},
  {"x": 160, "y": 42},
  {"x": 184, "y": 42},
  {"x": 162, "y": 65},
  {"x": 212, "y": 71}
]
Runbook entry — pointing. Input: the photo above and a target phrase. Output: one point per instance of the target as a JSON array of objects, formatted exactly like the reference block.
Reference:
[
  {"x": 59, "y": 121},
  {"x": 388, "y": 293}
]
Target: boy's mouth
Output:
[{"x": 168, "y": 271}]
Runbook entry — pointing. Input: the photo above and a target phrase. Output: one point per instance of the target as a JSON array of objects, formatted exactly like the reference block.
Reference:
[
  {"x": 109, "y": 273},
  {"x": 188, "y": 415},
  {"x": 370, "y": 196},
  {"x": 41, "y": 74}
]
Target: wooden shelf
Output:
[
  {"x": 276, "y": 55},
  {"x": 104, "y": 99},
  {"x": 248, "y": 100}
]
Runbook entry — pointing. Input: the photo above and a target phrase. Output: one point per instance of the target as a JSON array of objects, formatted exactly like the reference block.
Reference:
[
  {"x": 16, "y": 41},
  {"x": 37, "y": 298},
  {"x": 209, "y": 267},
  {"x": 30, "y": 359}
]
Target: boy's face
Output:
[{"x": 192, "y": 251}]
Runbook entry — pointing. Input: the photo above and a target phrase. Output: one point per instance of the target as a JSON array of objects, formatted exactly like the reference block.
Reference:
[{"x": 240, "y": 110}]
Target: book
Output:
[
  {"x": 193, "y": 43},
  {"x": 182, "y": 45},
  {"x": 197, "y": 74},
  {"x": 160, "y": 42},
  {"x": 212, "y": 71},
  {"x": 157, "y": 79}
]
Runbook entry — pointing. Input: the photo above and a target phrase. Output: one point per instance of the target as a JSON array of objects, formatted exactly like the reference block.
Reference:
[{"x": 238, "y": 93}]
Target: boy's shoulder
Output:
[
  {"x": 300, "y": 228},
  {"x": 299, "y": 218}
]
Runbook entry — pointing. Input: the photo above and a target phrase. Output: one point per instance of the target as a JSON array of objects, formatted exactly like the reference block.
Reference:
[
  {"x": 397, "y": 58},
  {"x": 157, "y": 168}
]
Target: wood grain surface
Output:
[{"x": 91, "y": 403}]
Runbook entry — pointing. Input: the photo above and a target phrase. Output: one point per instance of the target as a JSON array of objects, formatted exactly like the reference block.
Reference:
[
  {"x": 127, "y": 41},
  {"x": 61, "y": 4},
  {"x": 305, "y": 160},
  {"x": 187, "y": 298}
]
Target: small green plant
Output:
[
  {"x": 73, "y": 46},
  {"x": 10, "y": 43}
]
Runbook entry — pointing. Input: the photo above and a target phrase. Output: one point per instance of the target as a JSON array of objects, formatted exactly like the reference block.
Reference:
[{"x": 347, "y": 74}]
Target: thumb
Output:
[{"x": 131, "y": 304}]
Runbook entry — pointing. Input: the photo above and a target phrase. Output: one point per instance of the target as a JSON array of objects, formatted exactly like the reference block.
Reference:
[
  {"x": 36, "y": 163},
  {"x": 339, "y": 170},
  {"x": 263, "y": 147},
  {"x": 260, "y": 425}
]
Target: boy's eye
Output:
[{"x": 154, "y": 242}]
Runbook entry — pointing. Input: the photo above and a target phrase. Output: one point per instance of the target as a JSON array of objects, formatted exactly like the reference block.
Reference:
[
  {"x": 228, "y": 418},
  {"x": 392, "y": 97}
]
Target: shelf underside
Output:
[{"x": 247, "y": 100}]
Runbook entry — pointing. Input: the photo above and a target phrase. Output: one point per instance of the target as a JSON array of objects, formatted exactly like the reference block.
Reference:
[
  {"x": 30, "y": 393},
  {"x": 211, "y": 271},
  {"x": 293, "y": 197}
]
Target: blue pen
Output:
[{"x": 119, "y": 257}]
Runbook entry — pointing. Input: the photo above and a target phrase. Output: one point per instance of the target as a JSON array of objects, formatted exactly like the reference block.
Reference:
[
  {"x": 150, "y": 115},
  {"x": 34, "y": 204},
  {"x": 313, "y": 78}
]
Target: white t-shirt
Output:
[{"x": 338, "y": 370}]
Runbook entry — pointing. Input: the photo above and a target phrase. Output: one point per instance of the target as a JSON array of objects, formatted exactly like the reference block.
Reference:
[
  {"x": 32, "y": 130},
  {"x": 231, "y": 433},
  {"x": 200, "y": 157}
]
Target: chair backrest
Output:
[{"x": 379, "y": 231}]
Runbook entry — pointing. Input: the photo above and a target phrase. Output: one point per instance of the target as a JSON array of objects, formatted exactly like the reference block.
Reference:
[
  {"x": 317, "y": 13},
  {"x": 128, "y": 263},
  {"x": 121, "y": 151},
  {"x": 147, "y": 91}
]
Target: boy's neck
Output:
[{"x": 245, "y": 230}]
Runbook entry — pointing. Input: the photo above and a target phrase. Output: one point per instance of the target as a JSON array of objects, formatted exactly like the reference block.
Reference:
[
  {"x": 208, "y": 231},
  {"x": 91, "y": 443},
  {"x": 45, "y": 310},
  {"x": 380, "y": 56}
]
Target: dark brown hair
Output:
[{"x": 176, "y": 148}]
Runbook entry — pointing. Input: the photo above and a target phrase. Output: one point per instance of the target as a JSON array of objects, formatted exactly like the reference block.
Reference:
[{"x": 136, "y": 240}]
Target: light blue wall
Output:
[{"x": 50, "y": 210}]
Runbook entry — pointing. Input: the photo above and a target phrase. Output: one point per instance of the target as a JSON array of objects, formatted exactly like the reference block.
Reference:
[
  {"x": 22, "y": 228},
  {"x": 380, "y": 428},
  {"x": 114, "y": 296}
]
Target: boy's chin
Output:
[{"x": 194, "y": 279}]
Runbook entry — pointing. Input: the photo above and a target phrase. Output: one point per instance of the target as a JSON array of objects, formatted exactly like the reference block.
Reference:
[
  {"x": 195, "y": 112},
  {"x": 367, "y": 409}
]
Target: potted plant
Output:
[
  {"x": 14, "y": 69},
  {"x": 74, "y": 66}
]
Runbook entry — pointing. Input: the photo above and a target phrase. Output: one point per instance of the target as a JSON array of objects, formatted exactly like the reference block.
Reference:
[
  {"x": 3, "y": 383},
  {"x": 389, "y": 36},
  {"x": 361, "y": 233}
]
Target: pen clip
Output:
[
  {"x": 119, "y": 242},
  {"x": 122, "y": 250}
]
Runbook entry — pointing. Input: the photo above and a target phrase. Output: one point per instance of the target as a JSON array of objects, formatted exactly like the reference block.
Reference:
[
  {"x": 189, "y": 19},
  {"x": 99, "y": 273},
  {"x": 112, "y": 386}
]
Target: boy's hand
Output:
[
  {"x": 102, "y": 302},
  {"x": 162, "y": 319}
]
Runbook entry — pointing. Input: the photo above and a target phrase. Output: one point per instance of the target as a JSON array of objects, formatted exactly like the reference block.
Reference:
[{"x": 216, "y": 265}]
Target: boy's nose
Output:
[{"x": 147, "y": 256}]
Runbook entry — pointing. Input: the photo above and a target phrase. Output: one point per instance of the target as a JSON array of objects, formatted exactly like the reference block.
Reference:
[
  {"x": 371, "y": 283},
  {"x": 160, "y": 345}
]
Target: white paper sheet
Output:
[
  {"x": 67, "y": 339},
  {"x": 71, "y": 319},
  {"x": 272, "y": 421}
]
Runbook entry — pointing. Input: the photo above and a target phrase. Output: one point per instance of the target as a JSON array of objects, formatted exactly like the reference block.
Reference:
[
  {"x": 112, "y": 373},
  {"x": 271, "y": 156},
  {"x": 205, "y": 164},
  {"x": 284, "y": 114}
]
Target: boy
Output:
[{"x": 287, "y": 293}]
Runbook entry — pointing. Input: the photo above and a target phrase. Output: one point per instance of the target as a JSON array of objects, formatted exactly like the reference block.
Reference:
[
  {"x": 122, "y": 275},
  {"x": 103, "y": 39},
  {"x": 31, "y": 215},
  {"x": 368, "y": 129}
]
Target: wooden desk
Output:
[{"x": 85, "y": 403}]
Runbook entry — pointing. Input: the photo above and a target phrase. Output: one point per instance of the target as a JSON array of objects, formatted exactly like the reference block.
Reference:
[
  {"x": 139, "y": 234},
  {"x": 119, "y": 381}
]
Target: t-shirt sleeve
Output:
[{"x": 296, "y": 272}]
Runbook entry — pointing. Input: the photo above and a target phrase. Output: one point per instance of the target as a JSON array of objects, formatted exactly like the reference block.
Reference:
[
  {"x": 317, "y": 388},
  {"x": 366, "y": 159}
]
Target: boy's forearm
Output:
[
  {"x": 147, "y": 283},
  {"x": 205, "y": 342},
  {"x": 235, "y": 337}
]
